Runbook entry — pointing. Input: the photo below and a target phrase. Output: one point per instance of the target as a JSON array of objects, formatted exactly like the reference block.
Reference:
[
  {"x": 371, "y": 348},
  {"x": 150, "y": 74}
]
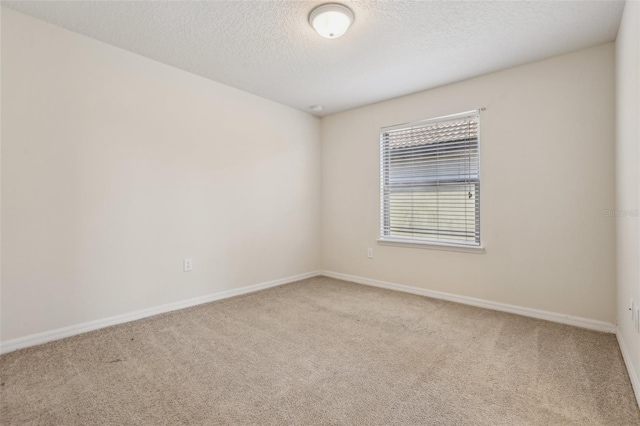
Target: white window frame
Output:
[{"x": 473, "y": 247}]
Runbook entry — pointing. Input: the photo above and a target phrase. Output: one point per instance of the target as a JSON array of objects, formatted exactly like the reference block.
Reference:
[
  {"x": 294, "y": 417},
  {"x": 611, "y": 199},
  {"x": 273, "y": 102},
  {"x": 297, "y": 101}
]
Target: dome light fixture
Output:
[{"x": 331, "y": 20}]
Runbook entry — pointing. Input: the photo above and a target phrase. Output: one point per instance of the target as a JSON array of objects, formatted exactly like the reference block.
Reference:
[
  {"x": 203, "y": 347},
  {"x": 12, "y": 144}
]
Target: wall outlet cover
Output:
[{"x": 187, "y": 264}]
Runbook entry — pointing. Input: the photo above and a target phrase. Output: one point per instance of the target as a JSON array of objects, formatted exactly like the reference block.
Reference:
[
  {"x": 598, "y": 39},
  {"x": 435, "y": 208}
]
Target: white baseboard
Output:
[
  {"x": 633, "y": 375},
  {"x": 496, "y": 306},
  {"x": 60, "y": 333}
]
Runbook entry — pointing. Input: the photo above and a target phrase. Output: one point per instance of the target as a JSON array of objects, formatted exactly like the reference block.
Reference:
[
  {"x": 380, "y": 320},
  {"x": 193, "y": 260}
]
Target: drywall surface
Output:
[
  {"x": 116, "y": 167},
  {"x": 627, "y": 177},
  {"x": 547, "y": 181}
]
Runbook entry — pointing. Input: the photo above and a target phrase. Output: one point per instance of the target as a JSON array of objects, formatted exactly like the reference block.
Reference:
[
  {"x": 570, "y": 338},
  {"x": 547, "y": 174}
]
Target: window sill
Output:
[{"x": 430, "y": 245}]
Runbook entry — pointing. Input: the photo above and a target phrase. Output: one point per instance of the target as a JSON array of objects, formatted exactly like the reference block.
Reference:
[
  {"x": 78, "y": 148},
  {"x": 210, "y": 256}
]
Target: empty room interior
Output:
[{"x": 320, "y": 213}]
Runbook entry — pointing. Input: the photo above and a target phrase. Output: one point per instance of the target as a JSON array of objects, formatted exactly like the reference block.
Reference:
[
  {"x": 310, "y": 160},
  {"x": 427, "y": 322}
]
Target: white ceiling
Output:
[{"x": 393, "y": 48}]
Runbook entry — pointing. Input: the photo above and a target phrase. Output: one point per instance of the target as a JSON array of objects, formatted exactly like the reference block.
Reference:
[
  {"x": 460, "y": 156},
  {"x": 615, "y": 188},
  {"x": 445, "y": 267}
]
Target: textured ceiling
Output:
[{"x": 393, "y": 48}]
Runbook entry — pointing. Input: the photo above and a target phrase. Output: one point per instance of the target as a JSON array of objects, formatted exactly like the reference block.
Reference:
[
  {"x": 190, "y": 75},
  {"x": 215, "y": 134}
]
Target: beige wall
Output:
[
  {"x": 627, "y": 177},
  {"x": 547, "y": 158},
  {"x": 116, "y": 167}
]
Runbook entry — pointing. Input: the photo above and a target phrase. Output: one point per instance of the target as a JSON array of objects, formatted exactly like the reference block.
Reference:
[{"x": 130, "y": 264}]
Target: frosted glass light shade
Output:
[{"x": 331, "y": 20}]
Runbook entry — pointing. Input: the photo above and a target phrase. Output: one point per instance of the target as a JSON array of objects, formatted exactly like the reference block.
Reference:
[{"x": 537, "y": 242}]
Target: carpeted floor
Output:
[{"x": 323, "y": 352}]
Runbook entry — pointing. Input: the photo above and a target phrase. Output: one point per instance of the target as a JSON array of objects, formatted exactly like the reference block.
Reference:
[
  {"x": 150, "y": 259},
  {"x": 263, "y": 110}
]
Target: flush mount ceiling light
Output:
[{"x": 331, "y": 20}]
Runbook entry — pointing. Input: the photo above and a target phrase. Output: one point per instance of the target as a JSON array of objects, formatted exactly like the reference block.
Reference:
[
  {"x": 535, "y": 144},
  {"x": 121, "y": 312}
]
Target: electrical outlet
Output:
[
  {"x": 370, "y": 253},
  {"x": 187, "y": 264}
]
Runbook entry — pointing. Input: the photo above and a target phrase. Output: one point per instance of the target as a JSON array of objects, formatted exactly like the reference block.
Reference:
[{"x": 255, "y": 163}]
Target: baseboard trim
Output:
[
  {"x": 482, "y": 303},
  {"x": 633, "y": 375},
  {"x": 61, "y": 333}
]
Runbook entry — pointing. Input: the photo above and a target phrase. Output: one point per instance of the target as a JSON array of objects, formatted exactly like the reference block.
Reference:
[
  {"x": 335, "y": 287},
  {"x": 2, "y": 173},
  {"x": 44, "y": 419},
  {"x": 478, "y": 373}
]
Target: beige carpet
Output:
[{"x": 323, "y": 352}]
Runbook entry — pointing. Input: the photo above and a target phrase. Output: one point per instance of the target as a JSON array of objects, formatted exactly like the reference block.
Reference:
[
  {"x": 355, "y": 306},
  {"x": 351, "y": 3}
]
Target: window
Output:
[{"x": 430, "y": 181}]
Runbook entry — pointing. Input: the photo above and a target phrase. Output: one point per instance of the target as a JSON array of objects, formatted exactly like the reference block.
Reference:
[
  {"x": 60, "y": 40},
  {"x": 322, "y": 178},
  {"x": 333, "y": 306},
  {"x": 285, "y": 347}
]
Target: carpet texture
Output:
[{"x": 323, "y": 352}]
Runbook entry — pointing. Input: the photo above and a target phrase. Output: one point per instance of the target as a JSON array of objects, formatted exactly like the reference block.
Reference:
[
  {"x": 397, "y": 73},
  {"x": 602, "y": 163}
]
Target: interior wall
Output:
[
  {"x": 547, "y": 182},
  {"x": 116, "y": 167},
  {"x": 627, "y": 178}
]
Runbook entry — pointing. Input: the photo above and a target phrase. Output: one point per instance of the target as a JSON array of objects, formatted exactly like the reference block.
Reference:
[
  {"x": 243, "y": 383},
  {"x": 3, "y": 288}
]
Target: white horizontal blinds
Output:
[{"x": 430, "y": 180}]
